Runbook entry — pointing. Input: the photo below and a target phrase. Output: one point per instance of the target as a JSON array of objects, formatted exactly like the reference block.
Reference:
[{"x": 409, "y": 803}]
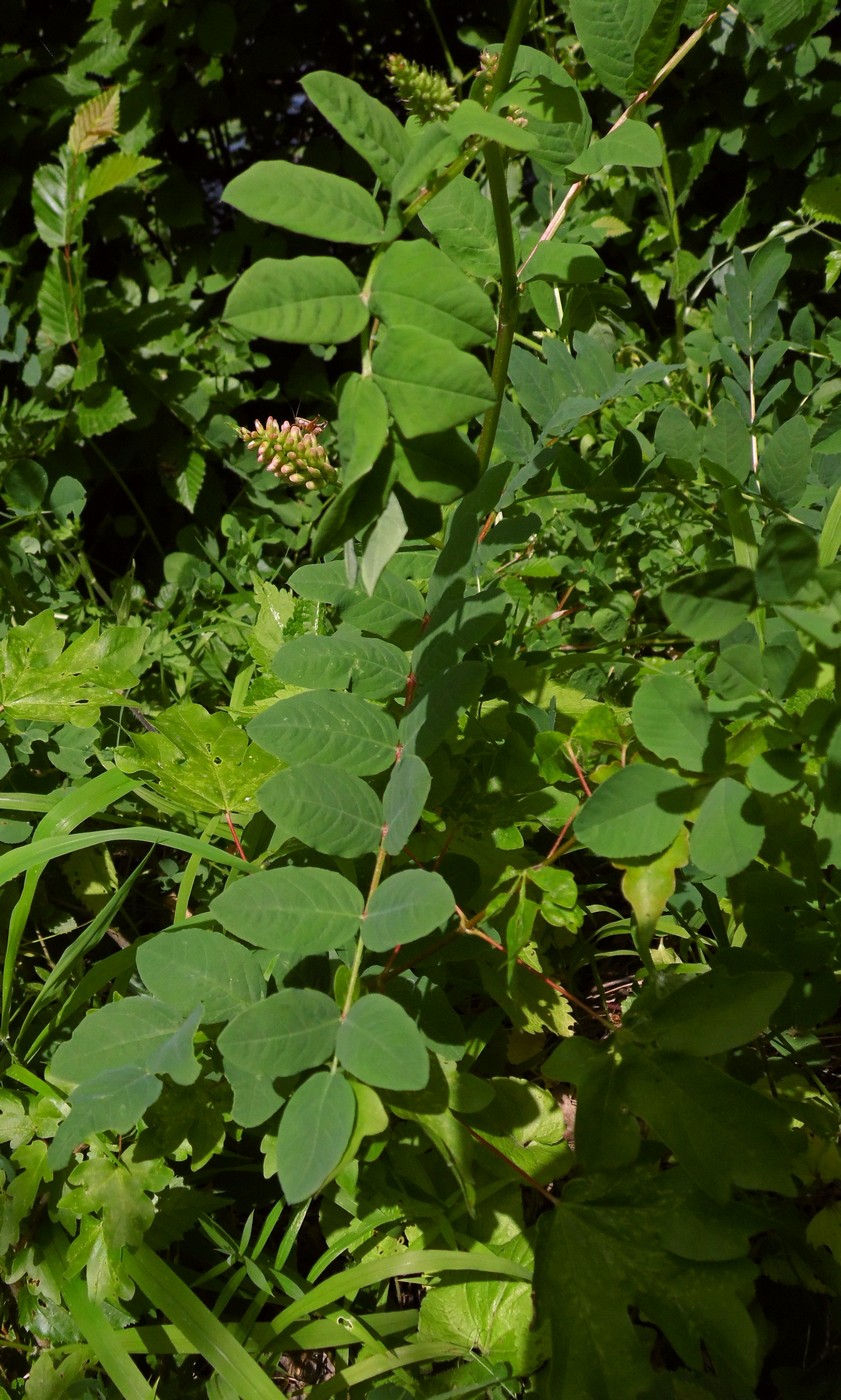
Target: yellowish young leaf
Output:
[{"x": 96, "y": 121}]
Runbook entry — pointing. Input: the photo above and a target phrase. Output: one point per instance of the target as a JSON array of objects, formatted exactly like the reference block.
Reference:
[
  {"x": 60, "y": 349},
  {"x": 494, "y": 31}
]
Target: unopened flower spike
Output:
[
  {"x": 292, "y": 451},
  {"x": 425, "y": 94}
]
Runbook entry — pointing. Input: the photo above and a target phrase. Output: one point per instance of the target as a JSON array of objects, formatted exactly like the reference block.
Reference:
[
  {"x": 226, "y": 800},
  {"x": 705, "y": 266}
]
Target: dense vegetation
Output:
[{"x": 420, "y": 781}]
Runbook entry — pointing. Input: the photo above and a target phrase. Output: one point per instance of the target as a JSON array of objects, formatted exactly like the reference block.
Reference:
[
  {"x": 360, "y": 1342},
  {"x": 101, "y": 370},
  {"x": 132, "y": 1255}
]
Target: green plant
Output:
[{"x": 517, "y": 980}]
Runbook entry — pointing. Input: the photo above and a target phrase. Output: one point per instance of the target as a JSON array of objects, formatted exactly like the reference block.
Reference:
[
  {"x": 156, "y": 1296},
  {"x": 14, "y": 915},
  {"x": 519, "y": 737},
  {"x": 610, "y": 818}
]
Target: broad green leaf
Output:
[
  {"x": 710, "y": 604},
  {"x": 785, "y": 461},
  {"x": 556, "y": 112},
  {"x": 822, "y": 198},
  {"x": 775, "y": 771},
  {"x": 787, "y": 560},
  {"x": 362, "y": 427},
  {"x": 638, "y": 812},
  {"x": 490, "y": 1317},
  {"x": 439, "y": 467},
  {"x": 379, "y": 1044},
  {"x": 366, "y": 124},
  {"x": 461, "y": 219},
  {"x": 438, "y": 704},
  {"x": 611, "y": 31},
  {"x": 115, "y": 170},
  {"x": 618, "y": 1262},
  {"x": 648, "y": 887},
  {"x": 137, "y": 1031},
  {"x": 202, "y": 762},
  {"x": 672, "y": 721},
  {"x": 404, "y": 800},
  {"x": 296, "y": 912},
  {"x": 676, "y": 436},
  {"x": 113, "y": 1101},
  {"x": 336, "y": 729},
  {"x": 634, "y": 143},
  {"x": 404, "y": 907},
  {"x": 102, "y": 408},
  {"x": 58, "y": 306},
  {"x": 726, "y": 1134},
  {"x": 415, "y": 284},
  {"x": 56, "y": 217},
  {"x": 314, "y": 1131},
  {"x": 42, "y": 679},
  {"x": 326, "y": 808},
  {"x": 656, "y": 43},
  {"x": 433, "y": 147},
  {"x": 728, "y": 831},
  {"x": 429, "y": 385},
  {"x": 606, "y": 1136},
  {"x": 830, "y": 536},
  {"x": 394, "y": 611},
  {"x": 302, "y": 300},
  {"x": 381, "y": 542},
  {"x": 564, "y": 262},
  {"x": 727, "y": 444},
  {"x": 375, "y": 669},
  {"x": 708, "y": 1013},
  {"x": 182, "y": 967},
  {"x": 470, "y": 119},
  {"x": 293, "y": 1030},
  {"x": 306, "y": 200}
]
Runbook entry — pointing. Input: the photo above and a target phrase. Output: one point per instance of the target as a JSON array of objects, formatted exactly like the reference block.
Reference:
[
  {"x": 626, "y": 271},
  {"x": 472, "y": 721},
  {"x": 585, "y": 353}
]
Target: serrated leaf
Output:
[
  {"x": 115, "y": 170},
  {"x": 328, "y": 726},
  {"x": 302, "y": 300},
  {"x": 366, "y": 124},
  {"x": 638, "y": 812},
  {"x": 57, "y": 306},
  {"x": 42, "y": 679},
  {"x": 381, "y": 1045},
  {"x": 200, "y": 761},
  {"x": 96, "y": 121},
  {"x": 822, "y": 198},
  {"x": 326, "y": 808},
  {"x": 492, "y": 1318},
  {"x": 56, "y": 217},
  {"x": 404, "y": 907},
  {"x": 415, "y": 284},
  {"x": 183, "y": 967},
  {"x": 102, "y": 408},
  {"x": 291, "y": 911},
  {"x": 306, "y": 200},
  {"x": 314, "y": 1132},
  {"x": 429, "y": 385}
]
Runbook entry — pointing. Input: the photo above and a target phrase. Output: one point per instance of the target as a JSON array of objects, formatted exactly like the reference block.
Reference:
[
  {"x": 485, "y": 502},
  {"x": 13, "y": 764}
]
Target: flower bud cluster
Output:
[
  {"x": 291, "y": 451},
  {"x": 425, "y": 94}
]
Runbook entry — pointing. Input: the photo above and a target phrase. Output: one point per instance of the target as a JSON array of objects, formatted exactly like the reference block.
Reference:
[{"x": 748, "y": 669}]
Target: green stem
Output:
[
  {"x": 508, "y": 53},
  {"x": 360, "y": 946},
  {"x": 508, "y": 300}
]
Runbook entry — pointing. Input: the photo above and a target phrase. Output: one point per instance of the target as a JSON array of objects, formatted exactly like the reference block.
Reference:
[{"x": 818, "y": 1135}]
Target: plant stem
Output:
[
  {"x": 575, "y": 190},
  {"x": 508, "y": 300},
  {"x": 360, "y": 946}
]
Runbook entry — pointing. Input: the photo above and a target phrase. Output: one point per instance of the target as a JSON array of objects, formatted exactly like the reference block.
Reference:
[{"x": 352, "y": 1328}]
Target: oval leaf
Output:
[
  {"x": 294, "y": 912},
  {"x": 185, "y": 966},
  {"x": 415, "y": 284},
  {"x": 339, "y": 729},
  {"x": 306, "y": 200},
  {"x": 638, "y": 812},
  {"x": 314, "y": 1131},
  {"x": 672, "y": 721},
  {"x": 406, "y": 906},
  {"x": 293, "y": 1030},
  {"x": 729, "y": 832},
  {"x": 303, "y": 300},
  {"x": 326, "y": 808},
  {"x": 429, "y": 384},
  {"x": 381, "y": 1045}
]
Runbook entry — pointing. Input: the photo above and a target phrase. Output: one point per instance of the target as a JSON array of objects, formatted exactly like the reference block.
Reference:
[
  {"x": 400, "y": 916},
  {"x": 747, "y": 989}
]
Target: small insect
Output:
[{"x": 311, "y": 425}]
